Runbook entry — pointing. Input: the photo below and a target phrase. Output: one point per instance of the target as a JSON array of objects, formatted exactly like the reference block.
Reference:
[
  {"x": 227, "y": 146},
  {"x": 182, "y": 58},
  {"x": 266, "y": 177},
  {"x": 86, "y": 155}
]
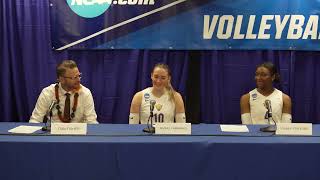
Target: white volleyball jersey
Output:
[
  {"x": 164, "y": 109},
  {"x": 258, "y": 109}
]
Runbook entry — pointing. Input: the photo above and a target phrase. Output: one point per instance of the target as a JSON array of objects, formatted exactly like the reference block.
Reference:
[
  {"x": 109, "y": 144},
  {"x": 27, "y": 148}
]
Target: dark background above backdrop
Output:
[{"x": 211, "y": 82}]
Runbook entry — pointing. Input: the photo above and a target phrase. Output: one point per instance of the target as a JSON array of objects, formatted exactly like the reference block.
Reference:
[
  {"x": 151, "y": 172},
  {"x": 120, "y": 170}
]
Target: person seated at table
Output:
[
  {"x": 168, "y": 107},
  {"x": 252, "y": 104},
  {"x": 73, "y": 101}
]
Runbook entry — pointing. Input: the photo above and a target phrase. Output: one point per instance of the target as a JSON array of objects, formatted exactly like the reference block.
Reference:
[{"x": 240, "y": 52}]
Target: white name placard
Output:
[
  {"x": 294, "y": 129},
  {"x": 69, "y": 128},
  {"x": 172, "y": 128}
]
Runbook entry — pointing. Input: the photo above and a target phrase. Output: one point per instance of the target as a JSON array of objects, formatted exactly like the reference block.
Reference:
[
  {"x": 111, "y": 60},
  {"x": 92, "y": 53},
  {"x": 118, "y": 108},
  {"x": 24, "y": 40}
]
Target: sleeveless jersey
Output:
[
  {"x": 258, "y": 109},
  {"x": 164, "y": 109}
]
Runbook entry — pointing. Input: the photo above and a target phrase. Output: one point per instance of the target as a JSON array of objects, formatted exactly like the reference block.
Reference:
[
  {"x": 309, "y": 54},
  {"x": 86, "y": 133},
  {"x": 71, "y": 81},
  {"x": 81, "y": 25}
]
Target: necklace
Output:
[{"x": 74, "y": 108}]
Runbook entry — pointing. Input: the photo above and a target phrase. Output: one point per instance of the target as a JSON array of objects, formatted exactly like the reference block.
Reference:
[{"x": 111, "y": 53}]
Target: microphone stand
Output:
[
  {"x": 271, "y": 128},
  {"x": 47, "y": 126},
  {"x": 149, "y": 128}
]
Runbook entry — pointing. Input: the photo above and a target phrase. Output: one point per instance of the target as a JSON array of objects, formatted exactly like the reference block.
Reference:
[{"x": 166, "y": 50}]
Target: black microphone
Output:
[
  {"x": 272, "y": 128},
  {"x": 150, "y": 128},
  {"x": 49, "y": 113},
  {"x": 152, "y": 104}
]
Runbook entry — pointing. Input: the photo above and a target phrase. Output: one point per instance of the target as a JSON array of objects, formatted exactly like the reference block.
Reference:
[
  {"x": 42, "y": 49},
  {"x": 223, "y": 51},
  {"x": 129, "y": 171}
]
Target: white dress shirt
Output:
[{"x": 85, "y": 112}]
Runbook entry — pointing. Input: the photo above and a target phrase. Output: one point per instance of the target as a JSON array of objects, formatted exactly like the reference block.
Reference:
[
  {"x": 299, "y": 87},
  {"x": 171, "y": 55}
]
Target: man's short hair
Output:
[{"x": 61, "y": 68}]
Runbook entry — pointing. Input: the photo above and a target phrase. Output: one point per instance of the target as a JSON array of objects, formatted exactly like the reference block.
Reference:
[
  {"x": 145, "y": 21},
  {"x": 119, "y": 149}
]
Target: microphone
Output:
[
  {"x": 271, "y": 128},
  {"x": 52, "y": 105},
  {"x": 49, "y": 113},
  {"x": 152, "y": 103},
  {"x": 150, "y": 128},
  {"x": 267, "y": 104}
]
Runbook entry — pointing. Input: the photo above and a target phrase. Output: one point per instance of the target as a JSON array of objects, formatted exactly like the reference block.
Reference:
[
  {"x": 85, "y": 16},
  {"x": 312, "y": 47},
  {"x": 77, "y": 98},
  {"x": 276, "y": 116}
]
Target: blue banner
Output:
[{"x": 185, "y": 24}]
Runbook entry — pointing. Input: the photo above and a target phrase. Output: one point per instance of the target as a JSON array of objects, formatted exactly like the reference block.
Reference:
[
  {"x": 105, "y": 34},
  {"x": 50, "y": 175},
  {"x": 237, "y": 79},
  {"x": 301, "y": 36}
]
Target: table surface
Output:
[{"x": 122, "y": 151}]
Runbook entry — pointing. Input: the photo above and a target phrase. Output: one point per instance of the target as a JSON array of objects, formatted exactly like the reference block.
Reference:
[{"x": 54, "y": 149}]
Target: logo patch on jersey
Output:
[
  {"x": 254, "y": 96},
  {"x": 158, "y": 106},
  {"x": 146, "y": 97}
]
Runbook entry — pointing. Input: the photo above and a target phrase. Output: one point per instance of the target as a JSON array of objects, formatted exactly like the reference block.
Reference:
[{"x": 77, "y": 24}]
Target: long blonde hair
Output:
[{"x": 169, "y": 87}]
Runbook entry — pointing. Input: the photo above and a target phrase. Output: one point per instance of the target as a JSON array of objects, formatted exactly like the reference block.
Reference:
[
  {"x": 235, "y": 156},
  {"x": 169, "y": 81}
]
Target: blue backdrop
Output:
[
  {"x": 211, "y": 82},
  {"x": 211, "y": 24}
]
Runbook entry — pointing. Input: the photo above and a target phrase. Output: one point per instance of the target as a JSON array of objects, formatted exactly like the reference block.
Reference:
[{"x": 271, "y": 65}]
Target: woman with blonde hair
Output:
[{"x": 168, "y": 103}]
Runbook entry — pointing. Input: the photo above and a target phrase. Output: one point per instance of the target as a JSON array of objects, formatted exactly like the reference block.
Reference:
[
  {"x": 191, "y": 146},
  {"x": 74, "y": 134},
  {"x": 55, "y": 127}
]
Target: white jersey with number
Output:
[
  {"x": 164, "y": 109},
  {"x": 258, "y": 109}
]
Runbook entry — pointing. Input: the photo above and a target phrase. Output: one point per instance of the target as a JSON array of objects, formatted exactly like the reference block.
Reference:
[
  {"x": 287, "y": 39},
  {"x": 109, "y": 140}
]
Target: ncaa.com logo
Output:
[{"x": 94, "y": 8}]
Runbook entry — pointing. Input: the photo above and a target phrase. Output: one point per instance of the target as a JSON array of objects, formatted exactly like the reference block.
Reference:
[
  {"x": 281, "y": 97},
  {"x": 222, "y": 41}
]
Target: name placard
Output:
[
  {"x": 294, "y": 129},
  {"x": 172, "y": 128},
  {"x": 69, "y": 128}
]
